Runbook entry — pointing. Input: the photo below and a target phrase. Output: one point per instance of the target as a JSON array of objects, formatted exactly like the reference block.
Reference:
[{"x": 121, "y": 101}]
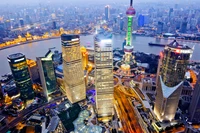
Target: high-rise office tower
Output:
[
  {"x": 171, "y": 75},
  {"x": 54, "y": 25},
  {"x": 33, "y": 70},
  {"x": 104, "y": 76},
  {"x": 141, "y": 20},
  {"x": 21, "y": 76},
  {"x": 128, "y": 48},
  {"x": 184, "y": 26},
  {"x": 28, "y": 19},
  {"x": 170, "y": 12},
  {"x": 107, "y": 12},
  {"x": 72, "y": 68},
  {"x": 194, "y": 109},
  {"x": 8, "y": 25},
  {"x": 47, "y": 74},
  {"x": 160, "y": 27},
  {"x": 21, "y": 21},
  {"x": 121, "y": 27}
]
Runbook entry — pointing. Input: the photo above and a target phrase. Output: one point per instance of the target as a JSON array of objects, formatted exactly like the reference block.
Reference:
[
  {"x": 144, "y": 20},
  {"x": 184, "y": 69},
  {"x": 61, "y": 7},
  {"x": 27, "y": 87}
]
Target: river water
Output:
[{"x": 38, "y": 49}]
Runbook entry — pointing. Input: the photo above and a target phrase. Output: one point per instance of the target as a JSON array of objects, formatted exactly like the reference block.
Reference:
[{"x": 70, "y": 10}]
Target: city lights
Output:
[{"x": 99, "y": 66}]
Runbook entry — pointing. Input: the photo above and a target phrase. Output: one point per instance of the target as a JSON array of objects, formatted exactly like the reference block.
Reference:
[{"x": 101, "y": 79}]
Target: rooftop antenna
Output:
[{"x": 131, "y": 3}]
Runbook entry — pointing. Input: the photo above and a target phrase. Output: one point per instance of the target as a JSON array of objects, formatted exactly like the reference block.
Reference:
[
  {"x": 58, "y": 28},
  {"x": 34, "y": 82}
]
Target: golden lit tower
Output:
[
  {"x": 170, "y": 78},
  {"x": 104, "y": 82},
  {"x": 72, "y": 68}
]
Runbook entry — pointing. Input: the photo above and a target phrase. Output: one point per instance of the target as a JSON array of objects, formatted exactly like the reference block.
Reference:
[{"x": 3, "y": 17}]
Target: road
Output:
[
  {"x": 126, "y": 113},
  {"x": 25, "y": 113}
]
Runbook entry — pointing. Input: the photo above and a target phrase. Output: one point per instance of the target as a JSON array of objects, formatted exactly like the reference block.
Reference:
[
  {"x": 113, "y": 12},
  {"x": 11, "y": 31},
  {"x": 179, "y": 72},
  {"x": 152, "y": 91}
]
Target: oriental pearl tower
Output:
[{"x": 128, "y": 48}]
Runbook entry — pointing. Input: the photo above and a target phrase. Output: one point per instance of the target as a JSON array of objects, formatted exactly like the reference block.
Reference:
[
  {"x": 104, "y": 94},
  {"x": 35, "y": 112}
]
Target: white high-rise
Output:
[{"x": 104, "y": 83}]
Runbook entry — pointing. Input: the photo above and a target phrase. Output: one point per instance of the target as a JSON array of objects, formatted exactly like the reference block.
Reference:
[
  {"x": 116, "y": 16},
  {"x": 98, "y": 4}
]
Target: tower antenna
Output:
[{"x": 131, "y": 3}]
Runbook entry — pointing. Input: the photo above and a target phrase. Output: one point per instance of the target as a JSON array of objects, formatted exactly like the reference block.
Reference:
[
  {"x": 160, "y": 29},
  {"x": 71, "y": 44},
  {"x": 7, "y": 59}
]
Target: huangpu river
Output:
[{"x": 39, "y": 49}]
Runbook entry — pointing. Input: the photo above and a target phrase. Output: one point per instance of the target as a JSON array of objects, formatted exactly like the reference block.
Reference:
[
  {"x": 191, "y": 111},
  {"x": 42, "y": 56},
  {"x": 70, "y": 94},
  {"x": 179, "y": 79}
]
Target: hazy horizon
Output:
[{"x": 21, "y": 2}]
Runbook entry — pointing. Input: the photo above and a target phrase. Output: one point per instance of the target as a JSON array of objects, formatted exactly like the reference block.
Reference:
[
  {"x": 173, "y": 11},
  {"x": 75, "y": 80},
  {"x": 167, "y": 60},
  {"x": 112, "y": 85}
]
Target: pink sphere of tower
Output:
[{"x": 131, "y": 11}]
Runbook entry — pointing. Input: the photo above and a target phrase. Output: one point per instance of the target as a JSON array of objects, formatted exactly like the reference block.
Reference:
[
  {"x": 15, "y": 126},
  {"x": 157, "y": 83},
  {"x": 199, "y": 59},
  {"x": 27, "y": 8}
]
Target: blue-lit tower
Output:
[
  {"x": 107, "y": 12},
  {"x": 128, "y": 48}
]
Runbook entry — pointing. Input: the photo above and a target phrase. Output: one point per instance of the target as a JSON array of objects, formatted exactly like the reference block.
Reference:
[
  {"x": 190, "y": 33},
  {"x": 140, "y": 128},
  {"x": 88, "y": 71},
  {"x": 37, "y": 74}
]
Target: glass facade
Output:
[
  {"x": 21, "y": 75},
  {"x": 104, "y": 76},
  {"x": 74, "y": 82},
  {"x": 171, "y": 73},
  {"x": 174, "y": 66},
  {"x": 47, "y": 74}
]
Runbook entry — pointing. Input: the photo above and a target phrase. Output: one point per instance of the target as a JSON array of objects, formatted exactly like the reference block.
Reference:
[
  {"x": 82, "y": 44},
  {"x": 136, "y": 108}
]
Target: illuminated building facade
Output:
[
  {"x": 84, "y": 57},
  {"x": 104, "y": 82},
  {"x": 170, "y": 79},
  {"x": 33, "y": 70},
  {"x": 194, "y": 108},
  {"x": 128, "y": 48},
  {"x": 107, "y": 12},
  {"x": 47, "y": 74},
  {"x": 175, "y": 61},
  {"x": 21, "y": 76},
  {"x": 74, "y": 82}
]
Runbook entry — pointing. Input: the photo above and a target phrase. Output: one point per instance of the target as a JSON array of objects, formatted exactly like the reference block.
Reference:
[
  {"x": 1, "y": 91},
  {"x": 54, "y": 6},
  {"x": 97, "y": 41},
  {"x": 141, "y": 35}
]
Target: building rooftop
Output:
[
  {"x": 175, "y": 44},
  {"x": 69, "y": 37},
  {"x": 16, "y": 55},
  {"x": 53, "y": 123},
  {"x": 103, "y": 36}
]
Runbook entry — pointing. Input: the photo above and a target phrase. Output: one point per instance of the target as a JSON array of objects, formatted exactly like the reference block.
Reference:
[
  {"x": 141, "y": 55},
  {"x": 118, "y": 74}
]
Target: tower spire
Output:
[{"x": 131, "y": 3}]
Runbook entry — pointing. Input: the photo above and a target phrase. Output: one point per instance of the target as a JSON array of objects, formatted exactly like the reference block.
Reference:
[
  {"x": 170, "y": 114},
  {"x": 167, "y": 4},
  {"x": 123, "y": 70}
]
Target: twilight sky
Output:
[{"x": 87, "y": 1}]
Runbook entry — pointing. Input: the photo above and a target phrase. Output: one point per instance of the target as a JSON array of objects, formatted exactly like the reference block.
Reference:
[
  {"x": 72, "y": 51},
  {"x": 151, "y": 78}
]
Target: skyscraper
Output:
[
  {"x": 54, "y": 25},
  {"x": 47, "y": 74},
  {"x": 160, "y": 27},
  {"x": 107, "y": 12},
  {"x": 141, "y": 20},
  {"x": 104, "y": 75},
  {"x": 121, "y": 27},
  {"x": 194, "y": 109},
  {"x": 128, "y": 48},
  {"x": 184, "y": 26},
  {"x": 170, "y": 12},
  {"x": 171, "y": 75},
  {"x": 72, "y": 68},
  {"x": 8, "y": 25},
  {"x": 33, "y": 70},
  {"x": 21, "y": 21},
  {"x": 21, "y": 76}
]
